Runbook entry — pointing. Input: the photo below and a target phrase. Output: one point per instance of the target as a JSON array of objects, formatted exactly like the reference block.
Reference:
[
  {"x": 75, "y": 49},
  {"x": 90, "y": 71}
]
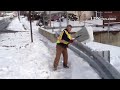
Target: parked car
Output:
[{"x": 39, "y": 23}]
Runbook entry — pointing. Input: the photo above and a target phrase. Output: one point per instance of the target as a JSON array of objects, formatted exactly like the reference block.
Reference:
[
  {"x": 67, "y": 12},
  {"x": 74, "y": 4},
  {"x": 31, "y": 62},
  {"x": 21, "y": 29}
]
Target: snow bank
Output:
[
  {"x": 114, "y": 52},
  {"x": 16, "y": 25}
]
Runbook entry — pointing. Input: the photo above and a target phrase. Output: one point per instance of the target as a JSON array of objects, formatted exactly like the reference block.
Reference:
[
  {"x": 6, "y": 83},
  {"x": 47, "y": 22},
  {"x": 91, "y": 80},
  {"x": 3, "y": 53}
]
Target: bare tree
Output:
[{"x": 31, "y": 26}]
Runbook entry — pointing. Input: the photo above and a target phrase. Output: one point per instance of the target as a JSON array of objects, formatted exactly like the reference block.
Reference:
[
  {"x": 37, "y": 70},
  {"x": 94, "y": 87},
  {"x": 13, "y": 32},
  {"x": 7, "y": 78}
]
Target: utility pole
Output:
[
  {"x": 108, "y": 30},
  {"x": 31, "y": 26},
  {"x": 50, "y": 17},
  {"x": 19, "y": 15}
]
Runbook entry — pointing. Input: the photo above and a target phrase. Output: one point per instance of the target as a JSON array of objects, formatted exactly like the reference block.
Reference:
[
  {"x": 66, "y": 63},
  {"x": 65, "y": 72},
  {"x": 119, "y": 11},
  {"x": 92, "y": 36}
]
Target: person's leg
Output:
[
  {"x": 58, "y": 54},
  {"x": 65, "y": 58}
]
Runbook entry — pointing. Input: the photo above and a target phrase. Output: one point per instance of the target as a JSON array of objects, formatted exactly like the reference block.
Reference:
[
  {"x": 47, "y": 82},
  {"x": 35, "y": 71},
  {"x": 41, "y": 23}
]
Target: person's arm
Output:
[{"x": 67, "y": 39}]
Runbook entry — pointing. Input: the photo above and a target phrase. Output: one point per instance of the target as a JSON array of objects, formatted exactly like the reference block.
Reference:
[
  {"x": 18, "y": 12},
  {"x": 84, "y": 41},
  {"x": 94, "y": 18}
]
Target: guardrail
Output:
[
  {"x": 101, "y": 66},
  {"x": 104, "y": 68}
]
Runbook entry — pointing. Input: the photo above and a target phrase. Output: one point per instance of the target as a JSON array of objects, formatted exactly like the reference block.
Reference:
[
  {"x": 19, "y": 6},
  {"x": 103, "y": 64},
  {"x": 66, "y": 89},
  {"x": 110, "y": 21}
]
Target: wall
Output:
[
  {"x": 48, "y": 35},
  {"x": 102, "y": 37}
]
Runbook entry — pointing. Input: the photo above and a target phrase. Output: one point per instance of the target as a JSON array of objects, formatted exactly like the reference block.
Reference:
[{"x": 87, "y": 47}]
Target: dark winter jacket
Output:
[{"x": 64, "y": 37}]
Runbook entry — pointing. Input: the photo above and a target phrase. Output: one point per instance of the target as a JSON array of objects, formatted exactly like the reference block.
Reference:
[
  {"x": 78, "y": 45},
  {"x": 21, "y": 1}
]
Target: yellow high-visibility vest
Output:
[{"x": 60, "y": 37}]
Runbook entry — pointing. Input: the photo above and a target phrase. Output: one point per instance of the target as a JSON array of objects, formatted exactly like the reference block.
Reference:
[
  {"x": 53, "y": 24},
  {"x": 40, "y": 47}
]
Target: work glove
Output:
[
  {"x": 62, "y": 41},
  {"x": 71, "y": 41}
]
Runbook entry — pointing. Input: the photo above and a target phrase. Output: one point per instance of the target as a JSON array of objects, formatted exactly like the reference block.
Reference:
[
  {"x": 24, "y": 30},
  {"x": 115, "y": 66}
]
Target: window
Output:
[{"x": 98, "y": 13}]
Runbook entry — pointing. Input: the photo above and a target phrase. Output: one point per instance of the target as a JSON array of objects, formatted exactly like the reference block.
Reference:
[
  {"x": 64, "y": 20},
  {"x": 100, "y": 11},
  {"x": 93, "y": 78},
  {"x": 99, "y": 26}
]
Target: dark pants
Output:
[{"x": 61, "y": 50}]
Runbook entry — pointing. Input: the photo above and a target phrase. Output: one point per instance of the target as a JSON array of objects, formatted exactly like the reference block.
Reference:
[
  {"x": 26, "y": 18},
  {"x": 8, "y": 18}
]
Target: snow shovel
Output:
[{"x": 82, "y": 35}]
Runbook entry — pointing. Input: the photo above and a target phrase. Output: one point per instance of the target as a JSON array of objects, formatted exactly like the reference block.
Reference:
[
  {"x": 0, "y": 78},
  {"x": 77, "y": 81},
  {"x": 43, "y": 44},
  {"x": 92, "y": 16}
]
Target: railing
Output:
[{"x": 101, "y": 66}]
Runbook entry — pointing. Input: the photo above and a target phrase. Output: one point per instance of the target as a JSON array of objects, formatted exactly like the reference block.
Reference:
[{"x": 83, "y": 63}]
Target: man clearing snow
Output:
[{"x": 61, "y": 48}]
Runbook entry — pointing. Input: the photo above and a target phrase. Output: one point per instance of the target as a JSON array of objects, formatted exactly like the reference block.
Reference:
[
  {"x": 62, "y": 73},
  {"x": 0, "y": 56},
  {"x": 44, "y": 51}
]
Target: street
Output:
[{"x": 3, "y": 25}]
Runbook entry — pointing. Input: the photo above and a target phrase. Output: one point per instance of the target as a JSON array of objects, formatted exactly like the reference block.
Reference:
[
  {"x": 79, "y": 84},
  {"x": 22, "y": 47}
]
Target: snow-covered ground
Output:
[
  {"x": 16, "y": 26},
  {"x": 114, "y": 52},
  {"x": 20, "y": 58}
]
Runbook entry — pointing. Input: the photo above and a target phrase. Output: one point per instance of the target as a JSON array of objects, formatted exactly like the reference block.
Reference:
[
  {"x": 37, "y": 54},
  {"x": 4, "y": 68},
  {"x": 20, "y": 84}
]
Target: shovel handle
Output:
[{"x": 77, "y": 36}]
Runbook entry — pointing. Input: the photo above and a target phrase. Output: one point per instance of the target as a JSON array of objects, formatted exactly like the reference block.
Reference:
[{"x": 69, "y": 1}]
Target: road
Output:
[{"x": 3, "y": 25}]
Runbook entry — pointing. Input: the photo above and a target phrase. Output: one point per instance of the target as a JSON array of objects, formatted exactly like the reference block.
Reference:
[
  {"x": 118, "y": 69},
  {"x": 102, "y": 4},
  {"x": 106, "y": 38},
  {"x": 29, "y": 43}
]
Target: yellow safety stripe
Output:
[
  {"x": 60, "y": 37},
  {"x": 69, "y": 36}
]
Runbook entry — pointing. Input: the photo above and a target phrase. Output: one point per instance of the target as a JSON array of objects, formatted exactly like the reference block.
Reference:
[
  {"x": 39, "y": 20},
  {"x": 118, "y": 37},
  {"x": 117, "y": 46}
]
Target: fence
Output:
[
  {"x": 102, "y": 37},
  {"x": 104, "y": 54}
]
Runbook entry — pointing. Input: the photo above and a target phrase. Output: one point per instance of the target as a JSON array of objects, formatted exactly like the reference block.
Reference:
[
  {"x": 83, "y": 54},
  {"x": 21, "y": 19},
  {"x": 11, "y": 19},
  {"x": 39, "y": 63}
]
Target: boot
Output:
[
  {"x": 65, "y": 66},
  {"x": 55, "y": 67}
]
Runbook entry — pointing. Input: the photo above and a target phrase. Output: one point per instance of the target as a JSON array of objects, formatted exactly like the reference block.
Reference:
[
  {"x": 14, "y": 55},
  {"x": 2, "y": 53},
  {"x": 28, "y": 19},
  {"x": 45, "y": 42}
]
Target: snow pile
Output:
[
  {"x": 114, "y": 52},
  {"x": 16, "y": 25},
  {"x": 20, "y": 58}
]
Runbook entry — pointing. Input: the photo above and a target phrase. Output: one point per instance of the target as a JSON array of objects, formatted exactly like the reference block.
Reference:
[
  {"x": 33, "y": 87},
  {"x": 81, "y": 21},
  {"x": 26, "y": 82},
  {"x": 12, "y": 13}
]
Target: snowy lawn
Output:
[{"x": 20, "y": 58}]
